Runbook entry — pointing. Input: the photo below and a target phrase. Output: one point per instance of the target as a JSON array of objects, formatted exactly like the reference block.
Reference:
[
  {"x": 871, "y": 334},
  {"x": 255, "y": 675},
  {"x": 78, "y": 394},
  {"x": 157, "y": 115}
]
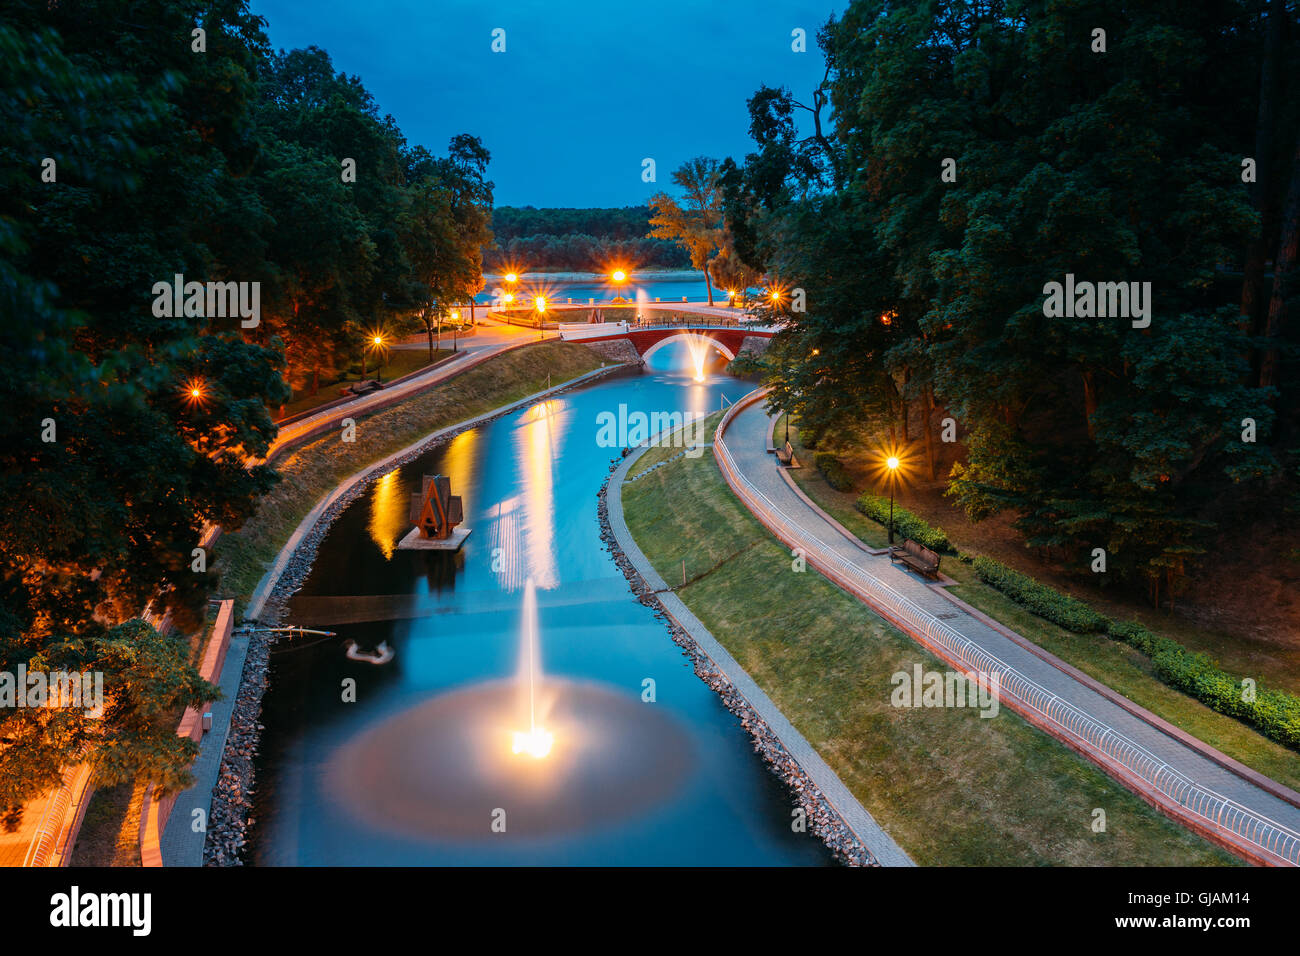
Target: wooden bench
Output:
[
  {"x": 361, "y": 388},
  {"x": 786, "y": 456},
  {"x": 917, "y": 557}
]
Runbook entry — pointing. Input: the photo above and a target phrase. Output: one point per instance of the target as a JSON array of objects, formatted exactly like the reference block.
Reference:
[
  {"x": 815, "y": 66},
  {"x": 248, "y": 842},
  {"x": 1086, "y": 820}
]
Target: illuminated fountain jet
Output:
[{"x": 535, "y": 741}]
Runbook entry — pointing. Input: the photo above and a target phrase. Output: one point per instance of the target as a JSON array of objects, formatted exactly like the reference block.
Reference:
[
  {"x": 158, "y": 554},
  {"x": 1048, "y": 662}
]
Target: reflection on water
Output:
[
  {"x": 409, "y": 769},
  {"x": 389, "y": 516},
  {"x": 443, "y": 768},
  {"x": 538, "y": 439}
]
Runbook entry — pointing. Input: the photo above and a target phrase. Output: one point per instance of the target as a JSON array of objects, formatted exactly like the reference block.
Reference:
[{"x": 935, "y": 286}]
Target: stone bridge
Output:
[{"x": 628, "y": 342}]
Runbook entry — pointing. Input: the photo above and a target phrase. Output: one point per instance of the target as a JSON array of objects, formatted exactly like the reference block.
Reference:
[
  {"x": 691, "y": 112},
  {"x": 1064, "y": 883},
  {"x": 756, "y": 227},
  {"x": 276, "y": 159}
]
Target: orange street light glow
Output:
[
  {"x": 194, "y": 391},
  {"x": 892, "y": 462},
  {"x": 511, "y": 277},
  {"x": 619, "y": 275},
  {"x": 378, "y": 340},
  {"x": 540, "y": 302},
  {"x": 508, "y": 297}
]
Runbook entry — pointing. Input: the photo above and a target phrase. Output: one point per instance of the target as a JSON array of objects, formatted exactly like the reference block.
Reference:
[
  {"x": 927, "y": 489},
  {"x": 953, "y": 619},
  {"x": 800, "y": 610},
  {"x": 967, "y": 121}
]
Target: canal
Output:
[{"x": 409, "y": 762}]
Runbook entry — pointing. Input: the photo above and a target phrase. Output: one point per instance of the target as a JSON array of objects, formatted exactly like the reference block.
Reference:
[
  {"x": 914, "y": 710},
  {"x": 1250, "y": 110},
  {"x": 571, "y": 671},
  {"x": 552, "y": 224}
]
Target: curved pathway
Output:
[{"x": 1179, "y": 777}]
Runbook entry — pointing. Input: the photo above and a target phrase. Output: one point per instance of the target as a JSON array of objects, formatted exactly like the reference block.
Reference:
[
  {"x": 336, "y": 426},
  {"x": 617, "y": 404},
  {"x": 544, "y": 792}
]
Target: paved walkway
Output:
[
  {"x": 1188, "y": 784},
  {"x": 879, "y": 843},
  {"x": 494, "y": 340},
  {"x": 180, "y": 844}
]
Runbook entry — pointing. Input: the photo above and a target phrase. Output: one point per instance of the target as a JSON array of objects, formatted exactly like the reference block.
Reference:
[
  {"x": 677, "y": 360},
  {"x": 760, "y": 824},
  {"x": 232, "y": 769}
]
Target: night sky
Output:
[{"x": 583, "y": 92}]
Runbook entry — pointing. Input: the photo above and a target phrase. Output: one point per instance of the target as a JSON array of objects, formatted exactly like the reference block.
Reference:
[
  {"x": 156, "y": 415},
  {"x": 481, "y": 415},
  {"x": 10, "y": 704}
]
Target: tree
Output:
[{"x": 696, "y": 226}]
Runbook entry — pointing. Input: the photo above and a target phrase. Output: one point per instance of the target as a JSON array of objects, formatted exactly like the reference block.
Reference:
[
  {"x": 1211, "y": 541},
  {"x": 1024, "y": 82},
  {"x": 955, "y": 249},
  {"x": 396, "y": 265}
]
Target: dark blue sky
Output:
[{"x": 584, "y": 91}]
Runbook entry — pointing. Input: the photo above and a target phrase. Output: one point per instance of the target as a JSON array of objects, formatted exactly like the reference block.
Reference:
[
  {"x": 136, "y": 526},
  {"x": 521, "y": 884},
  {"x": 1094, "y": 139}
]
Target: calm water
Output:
[
  {"x": 670, "y": 782},
  {"x": 668, "y": 290}
]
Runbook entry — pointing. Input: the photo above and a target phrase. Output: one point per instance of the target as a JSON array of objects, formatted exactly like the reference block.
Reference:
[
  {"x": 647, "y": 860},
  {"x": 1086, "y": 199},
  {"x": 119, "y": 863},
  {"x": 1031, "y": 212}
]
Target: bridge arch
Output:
[{"x": 686, "y": 337}]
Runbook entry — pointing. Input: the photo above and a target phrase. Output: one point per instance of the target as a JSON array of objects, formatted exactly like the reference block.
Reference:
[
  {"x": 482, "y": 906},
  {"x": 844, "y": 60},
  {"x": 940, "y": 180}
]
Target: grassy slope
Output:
[
  {"x": 1116, "y": 665},
  {"x": 951, "y": 787},
  {"x": 400, "y": 362},
  {"x": 311, "y": 472}
]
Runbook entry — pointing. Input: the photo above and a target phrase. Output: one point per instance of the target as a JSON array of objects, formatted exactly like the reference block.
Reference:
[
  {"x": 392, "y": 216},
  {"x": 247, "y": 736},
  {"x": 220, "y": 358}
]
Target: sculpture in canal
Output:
[{"x": 435, "y": 511}]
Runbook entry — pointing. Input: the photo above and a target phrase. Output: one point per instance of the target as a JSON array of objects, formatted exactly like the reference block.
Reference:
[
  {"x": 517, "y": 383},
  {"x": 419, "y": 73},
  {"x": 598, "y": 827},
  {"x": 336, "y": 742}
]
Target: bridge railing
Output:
[{"x": 1276, "y": 841}]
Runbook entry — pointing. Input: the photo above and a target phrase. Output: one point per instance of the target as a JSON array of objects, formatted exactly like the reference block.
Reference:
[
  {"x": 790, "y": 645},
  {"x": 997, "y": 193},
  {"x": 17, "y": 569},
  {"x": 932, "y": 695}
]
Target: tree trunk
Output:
[
  {"x": 429, "y": 330},
  {"x": 927, "y": 427},
  {"x": 1263, "y": 193},
  {"x": 708, "y": 283},
  {"x": 1284, "y": 264},
  {"x": 1090, "y": 402},
  {"x": 907, "y": 377}
]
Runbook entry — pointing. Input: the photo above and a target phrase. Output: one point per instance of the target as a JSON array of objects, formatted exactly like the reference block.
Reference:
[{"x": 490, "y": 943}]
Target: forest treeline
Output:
[
  {"x": 134, "y": 149},
  {"x": 579, "y": 240},
  {"x": 979, "y": 154}
]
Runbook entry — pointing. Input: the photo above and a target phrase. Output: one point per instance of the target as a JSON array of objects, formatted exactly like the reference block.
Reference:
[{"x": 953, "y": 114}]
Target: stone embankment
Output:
[{"x": 821, "y": 819}]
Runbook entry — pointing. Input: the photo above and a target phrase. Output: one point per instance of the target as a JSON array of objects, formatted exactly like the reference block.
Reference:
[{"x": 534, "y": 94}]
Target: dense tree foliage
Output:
[
  {"x": 983, "y": 151},
  {"x": 128, "y": 156},
  {"x": 579, "y": 240}
]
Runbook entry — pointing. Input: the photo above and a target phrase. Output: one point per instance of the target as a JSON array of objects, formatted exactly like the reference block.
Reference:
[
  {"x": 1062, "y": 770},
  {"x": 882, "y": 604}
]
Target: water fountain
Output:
[
  {"x": 440, "y": 769},
  {"x": 698, "y": 346},
  {"x": 535, "y": 741}
]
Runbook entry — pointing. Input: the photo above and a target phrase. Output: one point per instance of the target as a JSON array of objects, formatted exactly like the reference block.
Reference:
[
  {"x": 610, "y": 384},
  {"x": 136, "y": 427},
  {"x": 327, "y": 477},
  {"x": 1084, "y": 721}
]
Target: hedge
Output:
[
  {"x": 1276, "y": 714},
  {"x": 833, "y": 471},
  {"x": 1071, "y": 614},
  {"x": 905, "y": 523}
]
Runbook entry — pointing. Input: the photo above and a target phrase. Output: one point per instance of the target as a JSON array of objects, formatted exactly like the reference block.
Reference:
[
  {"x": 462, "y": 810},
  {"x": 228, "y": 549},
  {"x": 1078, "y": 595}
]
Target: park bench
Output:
[
  {"x": 785, "y": 456},
  {"x": 361, "y": 388},
  {"x": 917, "y": 557}
]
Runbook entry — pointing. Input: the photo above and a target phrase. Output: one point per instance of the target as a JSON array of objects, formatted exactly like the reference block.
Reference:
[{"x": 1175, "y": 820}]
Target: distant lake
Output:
[{"x": 560, "y": 287}]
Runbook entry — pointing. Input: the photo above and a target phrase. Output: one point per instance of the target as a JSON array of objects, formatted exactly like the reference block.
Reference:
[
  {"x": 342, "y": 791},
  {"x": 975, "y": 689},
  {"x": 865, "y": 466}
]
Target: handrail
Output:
[{"x": 1273, "y": 838}]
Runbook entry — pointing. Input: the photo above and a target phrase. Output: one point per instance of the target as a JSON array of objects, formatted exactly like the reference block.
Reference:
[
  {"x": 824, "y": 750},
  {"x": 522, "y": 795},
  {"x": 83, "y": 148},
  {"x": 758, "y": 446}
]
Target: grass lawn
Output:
[
  {"x": 110, "y": 831},
  {"x": 1114, "y": 664},
  {"x": 400, "y": 362},
  {"x": 949, "y": 786},
  {"x": 310, "y": 472}
]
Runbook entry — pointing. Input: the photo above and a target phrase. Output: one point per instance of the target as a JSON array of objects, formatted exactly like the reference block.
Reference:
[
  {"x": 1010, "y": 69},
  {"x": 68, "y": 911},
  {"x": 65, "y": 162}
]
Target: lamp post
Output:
[
  {"x": 892, "y": 463},
  {"x": 455, "y": 330},
  {"x": 378, "y": 342},
  {"x": 539, "y": 304}
]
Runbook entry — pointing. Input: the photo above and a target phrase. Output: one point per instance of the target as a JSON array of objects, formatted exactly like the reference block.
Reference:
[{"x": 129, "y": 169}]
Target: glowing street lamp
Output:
[
  {"x": 511, "y": 278},
  {"x": 540, "y": 303},
  {"x": 195, "y": 392},
  {"x": 377, "y": 343},
  {"x": 892, "y": 464},
  {"x": 619, "y": 275}
]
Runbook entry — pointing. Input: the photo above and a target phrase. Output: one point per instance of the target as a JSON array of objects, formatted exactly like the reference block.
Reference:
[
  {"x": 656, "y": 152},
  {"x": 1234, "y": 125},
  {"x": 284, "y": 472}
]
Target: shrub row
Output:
[
  {"x": 1275, "y": 714},
  {"x": 905, "y": 523},
  {"x": 1071, "y": 614},
  {"x": 833, "y": 471}
]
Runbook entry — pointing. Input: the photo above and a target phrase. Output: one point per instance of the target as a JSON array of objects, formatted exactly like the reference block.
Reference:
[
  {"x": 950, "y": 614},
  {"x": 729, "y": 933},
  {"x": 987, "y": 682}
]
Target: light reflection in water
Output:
[
  {"x": 390, "y": 496},
  {"x": 389, "y": 511},
  {"x": 531, "y": 531}
]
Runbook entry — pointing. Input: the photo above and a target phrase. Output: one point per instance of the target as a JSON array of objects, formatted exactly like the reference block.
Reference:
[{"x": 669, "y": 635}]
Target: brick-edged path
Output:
[{"x": 1177, "y": 778}]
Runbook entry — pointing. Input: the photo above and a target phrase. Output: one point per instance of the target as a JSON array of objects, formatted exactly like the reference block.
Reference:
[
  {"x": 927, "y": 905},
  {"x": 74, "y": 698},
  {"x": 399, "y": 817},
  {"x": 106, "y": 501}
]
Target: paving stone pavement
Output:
[
  {"x": 746, "y": 440},
  {"x": 179, "y": 844}
]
